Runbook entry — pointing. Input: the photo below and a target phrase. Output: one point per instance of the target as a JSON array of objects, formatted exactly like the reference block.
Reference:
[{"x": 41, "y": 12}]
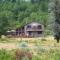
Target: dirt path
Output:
[{"x": 8, "y": 46}]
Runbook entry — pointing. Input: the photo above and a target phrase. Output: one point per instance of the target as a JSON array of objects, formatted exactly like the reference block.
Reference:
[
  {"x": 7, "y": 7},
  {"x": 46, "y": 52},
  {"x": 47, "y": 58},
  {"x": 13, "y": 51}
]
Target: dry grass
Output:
[
  {"x": 45, "y": 48},
  {"x": 44, "y": 41}
]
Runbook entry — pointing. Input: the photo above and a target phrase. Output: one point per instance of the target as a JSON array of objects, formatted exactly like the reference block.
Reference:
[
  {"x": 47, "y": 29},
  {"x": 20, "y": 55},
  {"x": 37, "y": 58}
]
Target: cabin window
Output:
[
  {"x": 39, "y": 27},
  {"x": 28, "y": 26},
  {"x": 39, "y": 32}
]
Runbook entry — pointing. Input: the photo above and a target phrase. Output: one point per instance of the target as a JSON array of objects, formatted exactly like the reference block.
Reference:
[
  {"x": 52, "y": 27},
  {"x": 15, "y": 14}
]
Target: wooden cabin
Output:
[{"x": 33, "y": 29}]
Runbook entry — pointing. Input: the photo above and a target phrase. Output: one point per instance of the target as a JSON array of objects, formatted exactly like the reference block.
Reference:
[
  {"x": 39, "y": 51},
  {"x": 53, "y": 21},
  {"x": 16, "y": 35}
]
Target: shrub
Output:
[{"x": 23, "y": 54}]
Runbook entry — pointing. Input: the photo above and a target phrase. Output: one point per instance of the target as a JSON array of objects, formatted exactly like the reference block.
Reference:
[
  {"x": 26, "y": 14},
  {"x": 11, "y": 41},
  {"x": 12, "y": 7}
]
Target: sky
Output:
[{"x": 27, "y": 0}]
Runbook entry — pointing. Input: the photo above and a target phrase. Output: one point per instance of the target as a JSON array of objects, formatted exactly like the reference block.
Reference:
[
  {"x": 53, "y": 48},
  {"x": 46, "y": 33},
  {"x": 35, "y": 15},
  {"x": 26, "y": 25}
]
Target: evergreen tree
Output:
[{"x": 57, "y": 20}]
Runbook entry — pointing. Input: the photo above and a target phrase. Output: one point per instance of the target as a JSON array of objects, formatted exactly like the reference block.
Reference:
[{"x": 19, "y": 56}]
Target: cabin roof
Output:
[{"x": 34, "y": 24}]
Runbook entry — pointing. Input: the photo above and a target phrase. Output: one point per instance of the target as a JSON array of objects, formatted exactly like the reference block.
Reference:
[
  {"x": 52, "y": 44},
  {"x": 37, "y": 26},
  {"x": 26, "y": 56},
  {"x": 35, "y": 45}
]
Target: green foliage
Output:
[
  {"x": 5, "y": 55},
  {"x": 24, "y": 46},
  {"x": 15, "y": 13}
]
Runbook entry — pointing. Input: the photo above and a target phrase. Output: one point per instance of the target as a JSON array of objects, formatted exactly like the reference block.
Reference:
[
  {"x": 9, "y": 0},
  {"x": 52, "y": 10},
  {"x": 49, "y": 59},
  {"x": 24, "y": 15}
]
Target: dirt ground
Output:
[{"x": 8, "y": 46}]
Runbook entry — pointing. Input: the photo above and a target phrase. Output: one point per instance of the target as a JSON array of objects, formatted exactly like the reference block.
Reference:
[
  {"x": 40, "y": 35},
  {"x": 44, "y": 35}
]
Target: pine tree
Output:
[{"x": 57, "y": 20}]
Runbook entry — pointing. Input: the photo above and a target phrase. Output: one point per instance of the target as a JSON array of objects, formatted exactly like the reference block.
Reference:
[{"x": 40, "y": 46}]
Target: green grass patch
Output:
[{"x": 52, "y": 54}]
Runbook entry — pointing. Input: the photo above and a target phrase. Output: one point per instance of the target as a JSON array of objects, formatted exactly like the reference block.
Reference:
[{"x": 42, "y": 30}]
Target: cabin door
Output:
[{"x": 34, "y": 34}]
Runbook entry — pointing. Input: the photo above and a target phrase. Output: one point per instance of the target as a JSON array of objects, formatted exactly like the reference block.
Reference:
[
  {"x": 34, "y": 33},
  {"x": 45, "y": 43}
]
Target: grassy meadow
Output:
[{"x": 43, "y": 48}]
